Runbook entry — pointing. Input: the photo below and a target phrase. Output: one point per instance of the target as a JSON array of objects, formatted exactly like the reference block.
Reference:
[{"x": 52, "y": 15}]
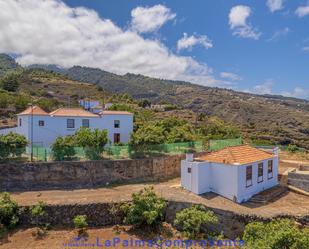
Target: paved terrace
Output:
[{"x": 289, "y": 203}]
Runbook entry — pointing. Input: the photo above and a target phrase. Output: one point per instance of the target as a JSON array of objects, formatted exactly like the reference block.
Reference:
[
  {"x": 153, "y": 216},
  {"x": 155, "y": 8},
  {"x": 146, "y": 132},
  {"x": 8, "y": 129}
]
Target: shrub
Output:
[
  {"x": 10, "y": 82},
  {"x": 292, "y": 148},
  {"x": 80, "y": 221},
  {"x": 8, "y": 211},
  {"x": 93, "y": 142},
  {"x": 146, "y": 209},
  {"x": 38, "y": 211},
  {"x": 63, "y": 148},
  {"x": 190, "y": 220},
  {"x": 120, "y": 107},
  {"x": 281, "y": 233},
  {"x": 13, "y": 145}
]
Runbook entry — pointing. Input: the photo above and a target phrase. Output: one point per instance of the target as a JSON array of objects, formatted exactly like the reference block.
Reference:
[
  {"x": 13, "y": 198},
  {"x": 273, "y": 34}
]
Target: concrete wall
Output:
[
  {"x": 57, "y": 126},
  {"x": 7, "y": 130},
  {"x": 57, "y": 175}
]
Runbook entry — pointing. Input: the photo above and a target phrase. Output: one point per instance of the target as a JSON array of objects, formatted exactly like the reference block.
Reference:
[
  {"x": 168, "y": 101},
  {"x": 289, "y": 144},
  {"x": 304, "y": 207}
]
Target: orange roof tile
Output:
[
  {"x": 72, "y": 112},
  {"x": 242, "y": 154},
  {"x": 34, "y": 110},
  {"x": 115, "y": 113}
]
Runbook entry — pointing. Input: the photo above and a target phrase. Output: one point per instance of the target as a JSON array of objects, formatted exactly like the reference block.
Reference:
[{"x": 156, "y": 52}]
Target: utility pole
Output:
[{"x": 31, "y": 137}]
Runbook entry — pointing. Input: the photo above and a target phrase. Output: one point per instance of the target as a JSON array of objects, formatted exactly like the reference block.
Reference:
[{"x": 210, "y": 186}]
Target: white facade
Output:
[
  {"x": 88, "y": 103},
  {"x": 228, "y": 180},
  {"x": 44, "y": 129}
]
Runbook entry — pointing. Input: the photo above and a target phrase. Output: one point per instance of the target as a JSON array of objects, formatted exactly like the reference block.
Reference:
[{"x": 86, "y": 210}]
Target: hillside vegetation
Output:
[{"x": 261, "y": 118}]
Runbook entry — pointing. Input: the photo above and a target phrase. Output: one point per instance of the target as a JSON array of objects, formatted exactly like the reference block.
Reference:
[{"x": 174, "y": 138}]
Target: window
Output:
[
  {"x": 20, "y": 122},
  {"x": 249, "y": 176},
  {"x": 189, "y": 170},
  {"x": 70, "y": 123},
  {"x": 260, "y": 172},
  {"x": 270, "y": 169},
  {"x": 85, "y": 123},
  {"x": 116, "y": 138},
  {"x": 41, "y": 123},
  {"x": 116, "y": 124}
]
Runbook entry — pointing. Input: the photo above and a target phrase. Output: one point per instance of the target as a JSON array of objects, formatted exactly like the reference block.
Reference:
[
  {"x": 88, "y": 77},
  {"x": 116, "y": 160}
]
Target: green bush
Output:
[
  {"x": 190, "y": 220},
  {"x": 80, "y": 221},
  {"x": 63, "y": 148},
  {"x": 37, "y": 212},
  {"x": 277, "y": 234},
  {"x": 12, "y": 145},
  {"x": 146, "y": 209},
  {"x": 93, "y": 142},
  {"x": 120, "y": 107},
  {"x": 11, "y": 81},
  {"x": 292, "y": 148},
  {"x": 8, "y": 211}
]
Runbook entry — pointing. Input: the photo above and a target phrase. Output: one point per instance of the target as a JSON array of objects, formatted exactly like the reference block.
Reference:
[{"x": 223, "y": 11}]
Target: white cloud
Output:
[
  {"x": 274, "y": 5},
  {"x": 306, "y": 49},
  {"x": 302, "y": 11},
  {"x": 298, "y": 92},
  {"x": 264, "y": 88},
  {"x": 50, "y": 32},
  {"x": 279, "y": 33},
  {"x": 230, "y": 76},
  {"x": 149, "y": 19},
  {"x": 239, "y": 25},
  {"x": 187, "y": 42}
]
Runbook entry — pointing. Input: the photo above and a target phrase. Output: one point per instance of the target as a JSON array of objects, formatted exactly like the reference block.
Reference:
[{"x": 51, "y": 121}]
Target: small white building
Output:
[
  {"x": 236, "y": 172},
  {"x": 43, "y": 128},
  {"x": 88, "y": 104}
]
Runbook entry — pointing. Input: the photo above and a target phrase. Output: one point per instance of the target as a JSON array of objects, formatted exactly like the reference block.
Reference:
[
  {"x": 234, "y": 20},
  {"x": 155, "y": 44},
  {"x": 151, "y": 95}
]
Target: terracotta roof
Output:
[
  {"x": 237, "y": 155},
  {"x": 35, "y": 110},
  {"x": 72, "y": 112},
  {"x": 115, "y": 113}
]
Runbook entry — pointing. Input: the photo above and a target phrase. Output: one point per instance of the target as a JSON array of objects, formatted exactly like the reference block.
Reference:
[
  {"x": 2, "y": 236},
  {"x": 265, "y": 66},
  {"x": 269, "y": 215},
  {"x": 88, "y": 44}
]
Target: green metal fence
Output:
[
  {"x": 121, "y": 151},
  {"x": 221, "y": 144},
  {"x": 130, "y": 152}
]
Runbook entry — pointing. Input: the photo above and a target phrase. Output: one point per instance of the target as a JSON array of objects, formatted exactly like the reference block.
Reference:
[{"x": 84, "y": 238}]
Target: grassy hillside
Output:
[{"x": 274, "y": 119}]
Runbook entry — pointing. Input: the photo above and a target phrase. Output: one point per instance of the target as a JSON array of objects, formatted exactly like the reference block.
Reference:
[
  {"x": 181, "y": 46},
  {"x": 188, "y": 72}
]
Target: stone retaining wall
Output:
[
  {"x": 105, "y": 214},
  {"x": 299, "y": 179},
  {"x": 86, "y": 174}
]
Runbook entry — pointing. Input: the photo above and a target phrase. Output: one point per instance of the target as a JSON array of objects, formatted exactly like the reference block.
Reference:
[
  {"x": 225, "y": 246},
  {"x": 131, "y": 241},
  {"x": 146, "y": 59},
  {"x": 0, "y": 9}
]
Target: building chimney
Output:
[
  {"x": 189, "y": 157},
  {"x": 276, "y": 151}
]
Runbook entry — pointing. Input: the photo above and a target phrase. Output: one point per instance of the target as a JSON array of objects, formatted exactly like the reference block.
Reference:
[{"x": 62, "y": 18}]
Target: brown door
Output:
[{"x": 116, "y": 138}]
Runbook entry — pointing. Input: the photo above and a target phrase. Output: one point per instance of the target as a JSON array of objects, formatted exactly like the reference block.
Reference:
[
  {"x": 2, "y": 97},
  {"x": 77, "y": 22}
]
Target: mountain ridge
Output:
[{"x": 279, "y": 119}]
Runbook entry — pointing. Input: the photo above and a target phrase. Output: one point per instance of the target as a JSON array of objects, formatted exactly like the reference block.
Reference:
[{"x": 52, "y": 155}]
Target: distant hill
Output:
[
  {"x": 7, "y": 63},
  {"x": 260, "y": 117}
]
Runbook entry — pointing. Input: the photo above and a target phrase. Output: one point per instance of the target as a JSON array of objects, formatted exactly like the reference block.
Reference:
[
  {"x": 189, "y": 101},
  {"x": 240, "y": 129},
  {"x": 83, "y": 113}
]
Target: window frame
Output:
[
  {"x": 249, "y": 182},
  {"x": 117, "y": 124},
  {"x": 73, "y": 122},
  {"x": 20, "y": 122},
  {"x": 41, "y": 123},
  {"x": 270, "y": 173},
  {"x": 260, "y": 178},
  {"x": 86, "y": 126}
]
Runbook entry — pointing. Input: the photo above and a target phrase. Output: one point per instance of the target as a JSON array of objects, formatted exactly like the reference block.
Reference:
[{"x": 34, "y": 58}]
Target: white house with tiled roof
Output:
[
  {"x": 43, "y": 128},
  {"x": 236, "y": 172}
]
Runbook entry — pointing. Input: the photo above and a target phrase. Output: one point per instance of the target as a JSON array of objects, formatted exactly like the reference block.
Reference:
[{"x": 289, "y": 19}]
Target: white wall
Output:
[
  {"x": 245, "y": 193},
  {"x": 206, "y": 177},
  {"x": 6, "y": 131},
  {"x": 55, "y": 126},
  {"x": 226, "y": 180}
]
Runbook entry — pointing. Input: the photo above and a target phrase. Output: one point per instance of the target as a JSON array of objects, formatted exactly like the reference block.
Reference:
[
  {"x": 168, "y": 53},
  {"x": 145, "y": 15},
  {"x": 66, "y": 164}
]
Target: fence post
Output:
[{"x": 45, "y": 157}]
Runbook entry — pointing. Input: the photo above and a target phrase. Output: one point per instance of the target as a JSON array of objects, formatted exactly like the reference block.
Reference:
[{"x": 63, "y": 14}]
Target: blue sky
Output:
[{"x": 260, "y": 46}]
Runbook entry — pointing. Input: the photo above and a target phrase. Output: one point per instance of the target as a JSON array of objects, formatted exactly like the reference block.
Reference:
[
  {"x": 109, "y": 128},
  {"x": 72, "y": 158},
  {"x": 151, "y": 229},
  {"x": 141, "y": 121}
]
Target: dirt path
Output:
[{"x": 289, "y": 204}]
